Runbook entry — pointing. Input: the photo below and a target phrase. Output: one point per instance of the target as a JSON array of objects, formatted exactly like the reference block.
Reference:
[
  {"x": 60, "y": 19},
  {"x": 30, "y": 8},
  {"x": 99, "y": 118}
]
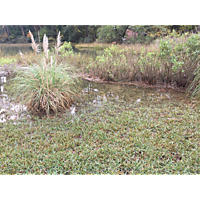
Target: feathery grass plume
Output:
[
  {"x": 23, "y": 58},
  {"x": 45, "y": 45},
  {"x": 42, "y": 88},
  {"x": 39, "y": 36},
  {"x": 35, "y": 46},
  {"x": 58, "y": 43}
]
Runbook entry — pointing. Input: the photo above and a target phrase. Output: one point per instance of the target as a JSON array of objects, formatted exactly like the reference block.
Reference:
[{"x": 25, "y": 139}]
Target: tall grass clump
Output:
[
  {"x": 45, "y": 86},
  {"x": 195, "y": 85}
]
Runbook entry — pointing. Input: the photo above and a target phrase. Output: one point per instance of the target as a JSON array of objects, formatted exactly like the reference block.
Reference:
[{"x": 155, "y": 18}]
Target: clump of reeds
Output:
[{"x": 45, "y": 86}]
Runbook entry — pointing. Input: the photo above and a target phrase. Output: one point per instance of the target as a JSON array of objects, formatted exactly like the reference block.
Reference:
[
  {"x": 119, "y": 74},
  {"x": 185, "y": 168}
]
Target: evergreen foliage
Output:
[{"x": 90, "y": 33}]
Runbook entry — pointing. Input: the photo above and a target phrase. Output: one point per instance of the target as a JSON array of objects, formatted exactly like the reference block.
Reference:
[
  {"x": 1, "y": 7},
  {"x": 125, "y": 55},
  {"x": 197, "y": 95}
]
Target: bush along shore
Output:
[{"x": 173, "y": 60}]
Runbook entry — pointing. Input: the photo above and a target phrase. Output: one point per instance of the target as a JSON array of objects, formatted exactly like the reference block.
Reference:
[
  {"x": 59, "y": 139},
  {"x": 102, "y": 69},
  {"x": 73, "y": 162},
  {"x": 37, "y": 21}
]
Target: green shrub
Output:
[
  {"x": 179, "y": 57},
  {"x": 66, "y": 49},
  {"x": 149, "y": 65},
  {"x": 115, "y": 64},
  {"x": 6, "y": 61}
]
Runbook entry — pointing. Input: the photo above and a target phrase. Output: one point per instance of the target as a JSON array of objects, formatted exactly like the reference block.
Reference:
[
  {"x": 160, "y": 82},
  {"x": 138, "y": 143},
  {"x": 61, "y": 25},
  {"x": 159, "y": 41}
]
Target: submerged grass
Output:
[{"x": 119, "y": 138}]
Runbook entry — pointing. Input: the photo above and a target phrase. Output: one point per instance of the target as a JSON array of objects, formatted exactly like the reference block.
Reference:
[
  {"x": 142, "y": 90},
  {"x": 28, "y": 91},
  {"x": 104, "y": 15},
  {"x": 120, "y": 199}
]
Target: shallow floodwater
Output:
[
  {"x": 94, "y": 95},
  {"x": 9, "y": 108}
]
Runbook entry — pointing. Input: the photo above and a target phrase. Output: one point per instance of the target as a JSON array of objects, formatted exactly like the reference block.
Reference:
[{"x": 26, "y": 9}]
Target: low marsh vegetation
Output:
[
  {"x": 171, "y": 60},
  {"x": 118, "y": 138}
]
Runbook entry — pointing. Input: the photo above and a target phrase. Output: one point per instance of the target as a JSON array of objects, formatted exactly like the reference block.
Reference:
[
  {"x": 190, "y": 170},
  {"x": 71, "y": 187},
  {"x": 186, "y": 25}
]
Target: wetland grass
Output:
[{"x": 44, "y": 86}]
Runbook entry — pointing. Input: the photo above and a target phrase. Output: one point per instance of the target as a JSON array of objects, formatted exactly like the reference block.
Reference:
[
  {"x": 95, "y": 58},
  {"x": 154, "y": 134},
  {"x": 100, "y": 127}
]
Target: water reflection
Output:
[
  {"x": 14, "y": 49},
  {"x": 26, "y": 48},
  {"x": 99, "y": 93}
]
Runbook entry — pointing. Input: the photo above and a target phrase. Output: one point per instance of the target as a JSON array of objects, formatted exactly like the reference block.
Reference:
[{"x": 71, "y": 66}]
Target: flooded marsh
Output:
[{"x": 110, "y": 129}]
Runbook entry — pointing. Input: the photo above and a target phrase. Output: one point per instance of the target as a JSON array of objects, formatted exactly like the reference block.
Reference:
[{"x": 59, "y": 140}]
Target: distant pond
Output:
[{"x": 13, "y": 49}]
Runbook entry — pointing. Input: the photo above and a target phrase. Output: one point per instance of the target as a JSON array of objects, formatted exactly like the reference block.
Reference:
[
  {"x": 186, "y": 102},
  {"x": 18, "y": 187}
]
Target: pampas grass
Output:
[
  {"x": 23, "y": 58},
  {"x": 45, "y": 46},
  {"x": 45, "y": 86},
  {"x": 33, "y": 44},
  {"x": 57, "y": 47}
]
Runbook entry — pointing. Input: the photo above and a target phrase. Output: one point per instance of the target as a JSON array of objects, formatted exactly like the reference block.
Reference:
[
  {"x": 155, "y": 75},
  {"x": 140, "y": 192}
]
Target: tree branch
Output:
[{"x": 122, "y": 35}]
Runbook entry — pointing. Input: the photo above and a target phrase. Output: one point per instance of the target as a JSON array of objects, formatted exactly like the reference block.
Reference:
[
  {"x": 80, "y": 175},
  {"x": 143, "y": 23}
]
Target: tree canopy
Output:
[{"x": 90, "y": 33}]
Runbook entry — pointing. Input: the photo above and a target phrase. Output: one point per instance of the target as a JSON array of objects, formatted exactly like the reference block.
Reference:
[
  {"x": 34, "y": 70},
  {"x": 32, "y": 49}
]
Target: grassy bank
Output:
[
  {"x": 96, "y": 46},
  {"x": 119, "y": 138},
  {"x": 8, "y": 45}
]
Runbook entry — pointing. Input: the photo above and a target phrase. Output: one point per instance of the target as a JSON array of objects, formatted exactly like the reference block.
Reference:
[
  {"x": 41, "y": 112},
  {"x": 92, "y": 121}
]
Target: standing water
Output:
[
  {"x": 9, "y": 109},
  {"x": 94, "y": 96}
]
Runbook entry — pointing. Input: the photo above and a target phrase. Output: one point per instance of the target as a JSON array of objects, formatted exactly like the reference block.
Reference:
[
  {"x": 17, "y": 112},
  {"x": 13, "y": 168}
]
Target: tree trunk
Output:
[
  {"x": 95, "y": 33},
  {"x": 7, "y": 30},
  {"x": 22, "y": 29},
  {"x": 34, "y": 26},
  {"x": 87, "y": 32}
]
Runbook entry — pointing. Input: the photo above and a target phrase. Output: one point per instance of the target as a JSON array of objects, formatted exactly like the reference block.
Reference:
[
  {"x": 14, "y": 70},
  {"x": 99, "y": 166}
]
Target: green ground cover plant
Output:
[{"x": 118, "y": 138}]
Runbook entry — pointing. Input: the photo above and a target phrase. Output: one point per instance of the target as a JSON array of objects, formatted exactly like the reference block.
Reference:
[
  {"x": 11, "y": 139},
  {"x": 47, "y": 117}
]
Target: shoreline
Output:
[
  {"x": 15, "y": 44},
  {"x": 160, "y": 86}
]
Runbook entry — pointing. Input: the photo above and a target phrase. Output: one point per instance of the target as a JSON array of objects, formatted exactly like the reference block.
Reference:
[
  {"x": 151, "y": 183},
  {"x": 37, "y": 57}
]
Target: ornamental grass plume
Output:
[
  {"x": 45, "y": 87},
  {"x": 57, "y": 47},
  {"x": 33, "y": 44},
  {"x": 45, "y": 46}
]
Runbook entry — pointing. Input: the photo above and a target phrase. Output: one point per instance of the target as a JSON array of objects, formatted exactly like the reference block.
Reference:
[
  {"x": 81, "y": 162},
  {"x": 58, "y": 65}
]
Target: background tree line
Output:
[{"x": 91, "y": 33}]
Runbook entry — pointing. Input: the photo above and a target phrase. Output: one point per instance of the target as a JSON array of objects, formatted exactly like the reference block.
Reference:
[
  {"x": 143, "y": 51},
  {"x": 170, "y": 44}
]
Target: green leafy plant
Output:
[
  {"x": 7, "y": 61},
  {"x": 149, "y": 65},
  {"x": 66, "y": 49},
  {"x": 179, "y": 56}
]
